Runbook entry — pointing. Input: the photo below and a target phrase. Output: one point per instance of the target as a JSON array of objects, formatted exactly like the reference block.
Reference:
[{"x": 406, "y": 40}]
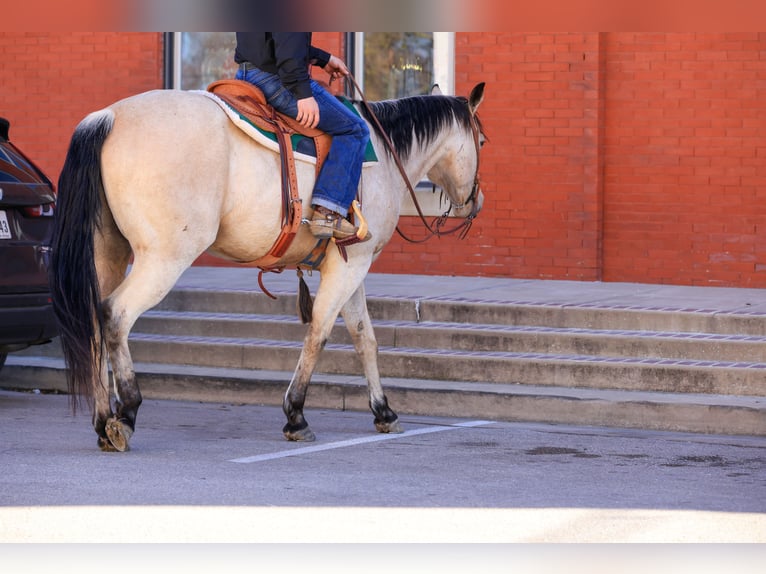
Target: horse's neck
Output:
[{"x": 422, "y": 159}]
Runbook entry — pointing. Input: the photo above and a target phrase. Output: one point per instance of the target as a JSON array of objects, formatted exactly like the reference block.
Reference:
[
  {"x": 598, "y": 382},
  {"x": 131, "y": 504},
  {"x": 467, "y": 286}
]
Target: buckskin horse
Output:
[{"x": 161, "y": 177}]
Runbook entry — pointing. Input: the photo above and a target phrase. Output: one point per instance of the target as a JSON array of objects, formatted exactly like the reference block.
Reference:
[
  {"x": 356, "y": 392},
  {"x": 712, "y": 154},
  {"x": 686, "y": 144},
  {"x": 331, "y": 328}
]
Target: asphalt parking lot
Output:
[{"x": 223, "y": 472}]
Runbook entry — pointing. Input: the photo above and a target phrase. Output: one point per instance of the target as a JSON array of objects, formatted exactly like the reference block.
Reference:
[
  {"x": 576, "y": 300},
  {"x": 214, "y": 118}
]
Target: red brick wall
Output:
[
  {"x": 685, "y": 159},
  {"x": 50, "y": 81},
  {"x": 330, "y": 41},
  {"x": 541, "y": 214},
  {"x": 612, "y": 156}
]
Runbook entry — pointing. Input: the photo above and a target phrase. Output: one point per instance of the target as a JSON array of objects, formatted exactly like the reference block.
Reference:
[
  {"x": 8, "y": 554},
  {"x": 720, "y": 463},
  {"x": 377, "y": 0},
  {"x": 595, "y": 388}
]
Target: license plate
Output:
[{"x": 5, "y": 229}]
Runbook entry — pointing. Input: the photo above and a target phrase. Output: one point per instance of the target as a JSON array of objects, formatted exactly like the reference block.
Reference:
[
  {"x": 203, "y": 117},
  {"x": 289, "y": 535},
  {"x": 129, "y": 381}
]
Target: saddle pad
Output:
[{"x": 303, "y": 147}]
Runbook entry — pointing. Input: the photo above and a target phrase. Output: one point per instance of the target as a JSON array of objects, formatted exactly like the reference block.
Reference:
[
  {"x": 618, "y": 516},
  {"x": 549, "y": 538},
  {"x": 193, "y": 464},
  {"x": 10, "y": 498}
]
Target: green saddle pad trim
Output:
[{"x": 295, "y": 139}]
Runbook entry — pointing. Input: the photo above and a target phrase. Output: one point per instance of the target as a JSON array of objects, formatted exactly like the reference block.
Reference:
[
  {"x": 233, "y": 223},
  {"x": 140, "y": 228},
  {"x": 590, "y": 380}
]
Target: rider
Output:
[{"x": 278, "y": 63}]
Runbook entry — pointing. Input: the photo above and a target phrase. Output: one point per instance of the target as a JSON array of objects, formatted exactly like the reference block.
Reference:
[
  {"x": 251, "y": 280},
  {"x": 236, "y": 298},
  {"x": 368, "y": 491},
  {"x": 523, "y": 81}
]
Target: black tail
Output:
[{"x": 73, "y": 280}]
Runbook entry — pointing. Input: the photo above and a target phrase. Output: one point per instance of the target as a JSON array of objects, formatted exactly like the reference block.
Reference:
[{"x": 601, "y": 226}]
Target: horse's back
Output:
[
  {"x": 165, "y": 133},
  {"x": 168, "y": 117},
  {"x": 164, "y": 167}
]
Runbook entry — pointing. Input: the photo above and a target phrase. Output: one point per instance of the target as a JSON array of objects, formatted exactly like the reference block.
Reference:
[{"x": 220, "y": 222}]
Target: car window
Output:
[{"x": 11, "y": 163}]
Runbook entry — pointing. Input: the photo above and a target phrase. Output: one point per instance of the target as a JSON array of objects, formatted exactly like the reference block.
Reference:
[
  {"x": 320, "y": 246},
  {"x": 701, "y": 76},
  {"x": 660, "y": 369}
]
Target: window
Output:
[
  {"x": 389, "y": 65},
  {"x": 396, "y": 64},
  {"x": 198, "y": 58}
]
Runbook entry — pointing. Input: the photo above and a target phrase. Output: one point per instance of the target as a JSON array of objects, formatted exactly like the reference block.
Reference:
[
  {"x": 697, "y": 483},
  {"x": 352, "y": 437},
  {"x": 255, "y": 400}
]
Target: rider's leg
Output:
[
  {"x": 338, "y": 180},
  {"x": 336, "y": 186}
]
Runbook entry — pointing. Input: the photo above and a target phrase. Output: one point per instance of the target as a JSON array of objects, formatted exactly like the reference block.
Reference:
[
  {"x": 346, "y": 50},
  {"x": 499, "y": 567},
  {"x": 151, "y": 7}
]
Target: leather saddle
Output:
[{"x": 250, "y": 103}]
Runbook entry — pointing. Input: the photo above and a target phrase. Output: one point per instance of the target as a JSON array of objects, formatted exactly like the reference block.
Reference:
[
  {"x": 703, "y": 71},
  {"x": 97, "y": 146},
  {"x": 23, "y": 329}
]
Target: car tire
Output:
[{"x": 2, "y": 360}]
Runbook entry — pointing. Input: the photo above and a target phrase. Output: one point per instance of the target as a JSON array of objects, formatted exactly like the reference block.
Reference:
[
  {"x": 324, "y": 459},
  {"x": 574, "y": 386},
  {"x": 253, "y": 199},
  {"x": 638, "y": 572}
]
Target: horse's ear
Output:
[
  {"x": 436, "y": 90},
  {"x": 476, "y": 97}
]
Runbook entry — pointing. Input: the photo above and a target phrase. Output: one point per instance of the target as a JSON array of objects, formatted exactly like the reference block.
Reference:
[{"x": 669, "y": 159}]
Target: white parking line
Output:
[{"x": 355, "y": 441}]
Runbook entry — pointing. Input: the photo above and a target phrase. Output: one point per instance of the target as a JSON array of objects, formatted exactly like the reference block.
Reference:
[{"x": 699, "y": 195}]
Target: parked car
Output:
[{"x": 27, "y": 199}]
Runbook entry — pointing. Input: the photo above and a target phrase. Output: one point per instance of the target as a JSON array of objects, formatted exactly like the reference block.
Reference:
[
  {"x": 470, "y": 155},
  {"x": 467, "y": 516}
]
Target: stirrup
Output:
[{"x": 361, "y": 231}]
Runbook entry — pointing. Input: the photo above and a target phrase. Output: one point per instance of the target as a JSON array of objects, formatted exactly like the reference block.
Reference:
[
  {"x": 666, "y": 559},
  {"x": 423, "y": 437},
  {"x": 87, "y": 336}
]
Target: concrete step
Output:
[
  {"x": 467, "y": 337},
  {"x": 624, "y": 373},
  {"x": 468, "y": 311},
  {"x": 177, "y": 341},
  {"x": 683, "y": 412},
  {"x": 595, "y": 316},
  {"x": 660, "y": 367}
]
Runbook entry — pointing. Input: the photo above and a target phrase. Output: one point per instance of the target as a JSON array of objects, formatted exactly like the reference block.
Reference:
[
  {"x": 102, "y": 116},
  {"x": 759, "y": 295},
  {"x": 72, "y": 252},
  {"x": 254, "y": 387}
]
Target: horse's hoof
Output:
[
  {"x": 118, "y": 434},
  {"x": 105, "y": 445},
  {"x": 391, "y": 427},
  {"x": 303, "y": 435}
]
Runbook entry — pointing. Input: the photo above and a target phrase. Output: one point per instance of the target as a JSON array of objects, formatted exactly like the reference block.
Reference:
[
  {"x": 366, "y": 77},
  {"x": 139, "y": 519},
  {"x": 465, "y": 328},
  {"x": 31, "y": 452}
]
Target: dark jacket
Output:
[{"x": 288, "y": 54}]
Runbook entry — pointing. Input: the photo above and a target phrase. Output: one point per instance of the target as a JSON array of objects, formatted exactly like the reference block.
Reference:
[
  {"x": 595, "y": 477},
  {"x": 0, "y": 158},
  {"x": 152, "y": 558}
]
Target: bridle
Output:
[{"x": 437, "y": 226}]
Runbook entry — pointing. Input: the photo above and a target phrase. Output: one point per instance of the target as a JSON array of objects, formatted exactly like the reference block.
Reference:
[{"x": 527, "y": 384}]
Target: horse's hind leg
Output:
[
  {"x": 120, "y": 424},
  {"x": 147, "y": 284},
  {"x": 357, "y": 319},
  {"x": 112, "y": 257}
]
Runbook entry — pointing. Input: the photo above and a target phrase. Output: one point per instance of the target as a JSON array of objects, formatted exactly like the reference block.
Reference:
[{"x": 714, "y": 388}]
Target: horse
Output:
[{"x": 154, "y": 180}]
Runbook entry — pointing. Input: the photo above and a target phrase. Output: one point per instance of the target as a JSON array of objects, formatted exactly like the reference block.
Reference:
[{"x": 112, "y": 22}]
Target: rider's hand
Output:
[
  {"x": 308, "y": 112},
  {"x": 336, "y": 68}
]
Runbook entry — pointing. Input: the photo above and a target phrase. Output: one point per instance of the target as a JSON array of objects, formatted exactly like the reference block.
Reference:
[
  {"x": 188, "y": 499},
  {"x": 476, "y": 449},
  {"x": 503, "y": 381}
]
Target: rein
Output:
[{"x": 434, "y": 228}]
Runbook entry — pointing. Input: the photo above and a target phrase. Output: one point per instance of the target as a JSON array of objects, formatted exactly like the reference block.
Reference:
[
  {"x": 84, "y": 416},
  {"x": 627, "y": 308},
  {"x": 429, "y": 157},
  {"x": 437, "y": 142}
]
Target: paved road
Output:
[{"x": 222, "y": 472}]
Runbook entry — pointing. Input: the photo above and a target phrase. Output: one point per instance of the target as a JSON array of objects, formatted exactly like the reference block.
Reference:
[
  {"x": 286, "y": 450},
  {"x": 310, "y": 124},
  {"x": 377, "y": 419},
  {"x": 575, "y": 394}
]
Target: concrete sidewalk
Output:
[{"x": 729, "y": 300}]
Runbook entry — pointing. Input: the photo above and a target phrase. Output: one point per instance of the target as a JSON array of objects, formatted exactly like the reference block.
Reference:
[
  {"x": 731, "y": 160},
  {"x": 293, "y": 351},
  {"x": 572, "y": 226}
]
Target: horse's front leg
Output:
[
  {"x": 358, "y": 323},
  {"x": 296, "y": 427},
  {"x": 339, "y": 281}
]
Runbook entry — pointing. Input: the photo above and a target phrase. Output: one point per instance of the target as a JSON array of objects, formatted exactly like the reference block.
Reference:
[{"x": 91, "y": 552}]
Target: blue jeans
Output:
[{"x": 337, "y": 183}]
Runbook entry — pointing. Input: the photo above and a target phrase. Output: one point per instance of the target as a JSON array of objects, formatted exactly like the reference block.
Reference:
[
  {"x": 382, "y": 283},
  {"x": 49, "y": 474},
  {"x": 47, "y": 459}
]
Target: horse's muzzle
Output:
[
  {"x": 478, "y": 203},
  {"x": 470, "y": 208}
]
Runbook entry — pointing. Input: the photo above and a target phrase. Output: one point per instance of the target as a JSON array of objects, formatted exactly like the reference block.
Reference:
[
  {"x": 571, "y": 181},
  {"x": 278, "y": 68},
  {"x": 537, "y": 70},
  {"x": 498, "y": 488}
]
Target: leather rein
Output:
[{"x": 435, "y": 228}]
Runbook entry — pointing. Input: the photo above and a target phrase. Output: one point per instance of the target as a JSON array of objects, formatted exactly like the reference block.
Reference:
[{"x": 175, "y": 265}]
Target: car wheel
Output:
[{"x": 2, "y": 360}]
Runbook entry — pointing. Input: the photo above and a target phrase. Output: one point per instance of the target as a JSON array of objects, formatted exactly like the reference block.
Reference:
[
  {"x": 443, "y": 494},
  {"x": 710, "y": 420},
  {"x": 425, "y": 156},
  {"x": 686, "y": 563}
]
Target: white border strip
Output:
[{"x": 354, "y": 442}]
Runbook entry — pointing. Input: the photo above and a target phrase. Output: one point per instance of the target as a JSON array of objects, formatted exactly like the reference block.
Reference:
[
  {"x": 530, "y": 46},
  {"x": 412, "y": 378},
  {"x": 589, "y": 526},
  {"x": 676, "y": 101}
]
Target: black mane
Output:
[{"x": 422, "y": 116}]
